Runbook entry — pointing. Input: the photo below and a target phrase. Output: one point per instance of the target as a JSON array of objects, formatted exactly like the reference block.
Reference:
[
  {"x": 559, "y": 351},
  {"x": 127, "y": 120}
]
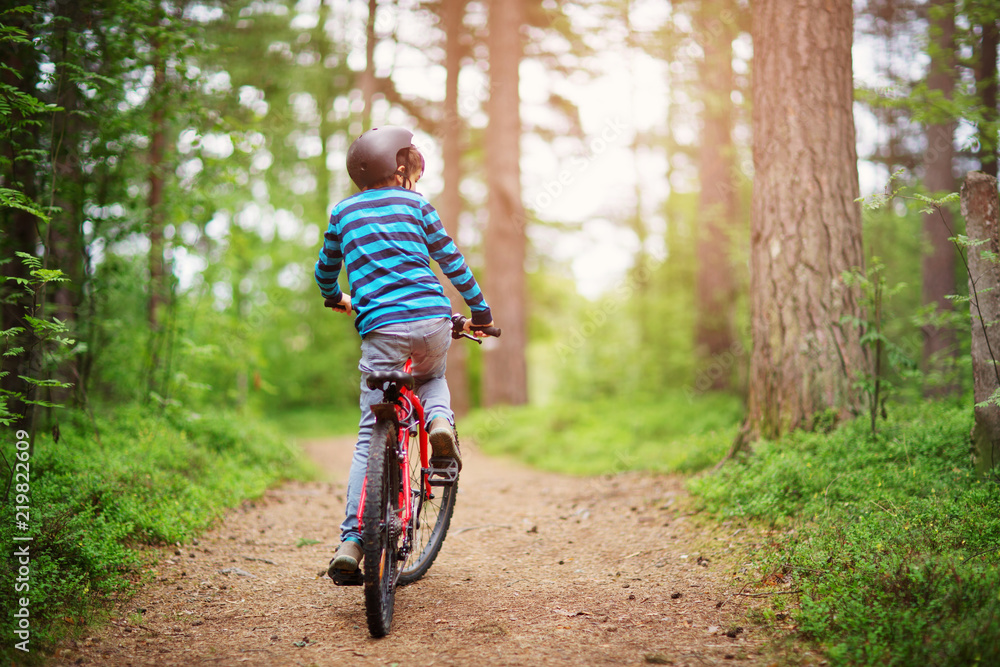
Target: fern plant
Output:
[{"x": 40, "y": 341}]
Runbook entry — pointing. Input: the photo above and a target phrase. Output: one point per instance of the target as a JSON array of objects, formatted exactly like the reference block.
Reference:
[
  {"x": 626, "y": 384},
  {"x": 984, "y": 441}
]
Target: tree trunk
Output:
[
  {"x": 986, "y": 79},
  {"x": 505, "y": 379},
  {"x": 368, "y": 76},
  {"x": 157, "y": 177},
  {"x": 939, "y": 262},
  {"x": 716, "y": 284},
  {"x": 450, "y": 203},
  {"x": 19, "y": 226},
  {"x": 979, "y": 207},
  {"x": 64, "y": 242},
  {"x": 325, "y": 97},
  {"x": 806, "y": 226}
]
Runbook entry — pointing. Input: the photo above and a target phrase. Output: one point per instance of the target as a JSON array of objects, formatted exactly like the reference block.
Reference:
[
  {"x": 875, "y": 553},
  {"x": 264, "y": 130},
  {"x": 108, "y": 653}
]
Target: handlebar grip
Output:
[
  {"x": 458, "y": 326},
  {"x": 335, "y": 305},
  {"x": 489, "y": 331}
]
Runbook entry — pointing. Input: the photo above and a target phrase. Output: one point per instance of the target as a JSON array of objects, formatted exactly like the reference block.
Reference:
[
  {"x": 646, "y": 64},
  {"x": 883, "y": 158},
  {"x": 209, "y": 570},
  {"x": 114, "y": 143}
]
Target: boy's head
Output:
[{"x": 384, "y": 156}]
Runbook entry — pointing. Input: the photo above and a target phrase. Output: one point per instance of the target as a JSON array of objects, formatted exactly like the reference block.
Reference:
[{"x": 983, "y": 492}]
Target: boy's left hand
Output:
[
  {"x": 342, "y": 306},
  {"x": 475, "y": 332}
]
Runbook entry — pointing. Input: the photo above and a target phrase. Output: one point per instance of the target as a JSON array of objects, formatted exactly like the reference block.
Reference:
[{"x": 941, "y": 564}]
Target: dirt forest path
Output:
[{"x": 538, "y": 569}]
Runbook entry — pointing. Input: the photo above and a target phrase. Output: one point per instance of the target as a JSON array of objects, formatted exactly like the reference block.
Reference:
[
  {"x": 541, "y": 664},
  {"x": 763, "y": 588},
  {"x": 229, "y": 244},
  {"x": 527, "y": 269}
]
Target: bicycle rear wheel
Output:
[
  {"x": 433, "y": 507},
  {"x": 381, "y": 529}
]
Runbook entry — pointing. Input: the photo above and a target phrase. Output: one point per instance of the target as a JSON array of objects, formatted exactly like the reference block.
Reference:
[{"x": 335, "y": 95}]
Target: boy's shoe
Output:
[
  {"x": 444, "y": 444},
  {"x": 344, "y": 564}
]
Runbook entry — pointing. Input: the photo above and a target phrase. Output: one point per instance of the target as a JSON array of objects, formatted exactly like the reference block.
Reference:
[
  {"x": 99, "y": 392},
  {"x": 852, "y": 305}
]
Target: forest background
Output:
[{"x": 168, "y": 169}]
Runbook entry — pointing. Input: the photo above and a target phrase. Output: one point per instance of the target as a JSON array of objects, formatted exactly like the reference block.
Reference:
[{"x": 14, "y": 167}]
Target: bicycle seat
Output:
[{"x": 378, "y": 379}]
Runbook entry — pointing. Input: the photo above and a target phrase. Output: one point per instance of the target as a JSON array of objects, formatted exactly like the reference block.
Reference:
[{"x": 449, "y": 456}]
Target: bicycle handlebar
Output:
[
  {"x": 334, "y": 304},
  {"x": 457, "y": 323},
  {"x": 458, "y": 329}
]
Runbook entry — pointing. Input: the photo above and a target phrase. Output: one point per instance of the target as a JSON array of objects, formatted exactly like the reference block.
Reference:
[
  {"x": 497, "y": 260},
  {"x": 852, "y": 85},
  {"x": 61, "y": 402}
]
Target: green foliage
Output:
[
  {"x": 17, "y": 199},
  {"x": 281, "y": 348},
  {"x": 21, "y": 113},
  {"x": 638, "y": 337},
  {"x": 668, "y": 433},
  {"x": 314, "y": 422},
  {"x": 243, "y": 210},
  {"x": 41, "y": 340},
  {"x": 150, "y": 478},
  {"x": 893, "y": 233},
  {"x": 992, "y": 399},
  {"x": 292, "y": 82},
  {"x": 908, "y": 103},
  {"x": 892, "y": 540},
  {"x": 118, "y": 348}
]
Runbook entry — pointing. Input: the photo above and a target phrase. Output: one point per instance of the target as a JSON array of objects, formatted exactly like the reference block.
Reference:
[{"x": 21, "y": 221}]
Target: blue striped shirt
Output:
[{"x": 387, "y": 237}]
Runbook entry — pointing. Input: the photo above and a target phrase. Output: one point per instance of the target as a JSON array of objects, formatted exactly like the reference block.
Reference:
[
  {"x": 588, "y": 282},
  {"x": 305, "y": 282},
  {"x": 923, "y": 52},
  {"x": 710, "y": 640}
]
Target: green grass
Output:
[
  {"x": 669, "y": 433},
  {"x": 151, "y": 478},
  {"x": 893, "y": 542}
]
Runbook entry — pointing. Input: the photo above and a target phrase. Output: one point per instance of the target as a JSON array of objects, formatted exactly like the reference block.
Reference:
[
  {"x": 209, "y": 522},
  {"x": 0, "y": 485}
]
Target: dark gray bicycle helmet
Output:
[{"x": 371, "y": 159}]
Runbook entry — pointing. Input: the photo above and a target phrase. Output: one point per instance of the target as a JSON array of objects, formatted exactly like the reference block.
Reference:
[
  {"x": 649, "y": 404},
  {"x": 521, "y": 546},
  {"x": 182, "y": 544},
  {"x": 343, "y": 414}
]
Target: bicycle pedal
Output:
[
  {"x": 355, "y": 578},
  {"x": 443, "y": 471}
]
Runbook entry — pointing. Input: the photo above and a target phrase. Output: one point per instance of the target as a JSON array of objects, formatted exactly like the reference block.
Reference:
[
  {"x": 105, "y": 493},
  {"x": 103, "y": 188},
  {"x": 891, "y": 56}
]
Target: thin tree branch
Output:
[{"x": 975, "y": 294}]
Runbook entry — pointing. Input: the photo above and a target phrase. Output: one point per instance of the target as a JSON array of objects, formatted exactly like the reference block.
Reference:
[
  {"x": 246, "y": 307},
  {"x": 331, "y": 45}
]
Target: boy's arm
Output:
[
  {"x": 443, "y": 250},
  {"x": 328, "y": 267}
]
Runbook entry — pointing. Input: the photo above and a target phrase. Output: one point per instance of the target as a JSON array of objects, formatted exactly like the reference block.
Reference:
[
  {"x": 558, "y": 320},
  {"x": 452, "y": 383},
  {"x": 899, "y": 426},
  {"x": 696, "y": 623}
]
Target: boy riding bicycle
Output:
[{"x": 387, "y": 234}]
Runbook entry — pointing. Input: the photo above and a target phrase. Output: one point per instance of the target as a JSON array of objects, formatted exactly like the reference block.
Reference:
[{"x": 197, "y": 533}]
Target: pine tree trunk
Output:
[
  {"x": 325, "y": 97},
  {"x": 716, "y": 284},
  {"x": 939, "y": 264},
  {"x": 450, "y": 203},
  {"x": 980, "y": 209},
  {"x": 64, "y": 242},
  {"x": 806, "y": 226},
  {"x": 368, "y": 76},
  {"x": 157, "y": 216},
  {"x": 505, "y": 378}
]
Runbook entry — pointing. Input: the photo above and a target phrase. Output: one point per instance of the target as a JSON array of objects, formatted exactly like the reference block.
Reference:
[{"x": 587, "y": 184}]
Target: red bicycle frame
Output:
[{"x": 409, "y": 413}]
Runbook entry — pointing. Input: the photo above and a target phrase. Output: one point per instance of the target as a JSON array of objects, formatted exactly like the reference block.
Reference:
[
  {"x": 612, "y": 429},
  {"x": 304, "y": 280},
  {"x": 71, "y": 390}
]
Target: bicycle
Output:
[{"x": 401, "y": 514}]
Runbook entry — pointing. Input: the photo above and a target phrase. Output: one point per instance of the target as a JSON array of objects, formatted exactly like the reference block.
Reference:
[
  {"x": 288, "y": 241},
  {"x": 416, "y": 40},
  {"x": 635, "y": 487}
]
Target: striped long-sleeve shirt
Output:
[{"x": 387, "y": 237}]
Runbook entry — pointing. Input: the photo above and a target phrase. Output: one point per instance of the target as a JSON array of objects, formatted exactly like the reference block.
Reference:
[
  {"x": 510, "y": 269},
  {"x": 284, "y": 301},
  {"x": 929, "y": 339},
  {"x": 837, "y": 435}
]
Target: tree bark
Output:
[
  {"x": 368, "y": 76},
  {"x": 450, "y": 203},
  {"x": 806, "y": 226},
  {"x": 64, "y": 234},
  {"x": 979, "y": 207},
  {"x": 325, "y": 97},
  {"x": 939, "y": 263},
  {"x": 716, "y": 283},
  {"x": 505, "y": 379},
  {"x": 157, "y": 215}
]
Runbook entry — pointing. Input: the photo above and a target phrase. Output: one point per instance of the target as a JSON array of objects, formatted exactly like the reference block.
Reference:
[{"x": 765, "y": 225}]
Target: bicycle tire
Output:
[
  {"x": 433, "y": 519},
  {"x": 380, "y": 530}
]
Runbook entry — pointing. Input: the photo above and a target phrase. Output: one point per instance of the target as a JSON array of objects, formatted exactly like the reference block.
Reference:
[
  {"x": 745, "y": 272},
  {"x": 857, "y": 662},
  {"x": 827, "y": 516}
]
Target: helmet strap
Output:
[{"x": 401, "y": 172}]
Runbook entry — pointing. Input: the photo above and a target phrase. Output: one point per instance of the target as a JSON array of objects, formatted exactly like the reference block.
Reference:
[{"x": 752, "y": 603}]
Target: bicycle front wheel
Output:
[
  {"x": 381, "y": 529},
  {"x": 432, "y": 507}
]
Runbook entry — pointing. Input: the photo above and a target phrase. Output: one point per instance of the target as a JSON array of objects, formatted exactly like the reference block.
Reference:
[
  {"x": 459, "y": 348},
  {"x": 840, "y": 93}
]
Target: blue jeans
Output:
[{"x": 387, "y": 348}]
